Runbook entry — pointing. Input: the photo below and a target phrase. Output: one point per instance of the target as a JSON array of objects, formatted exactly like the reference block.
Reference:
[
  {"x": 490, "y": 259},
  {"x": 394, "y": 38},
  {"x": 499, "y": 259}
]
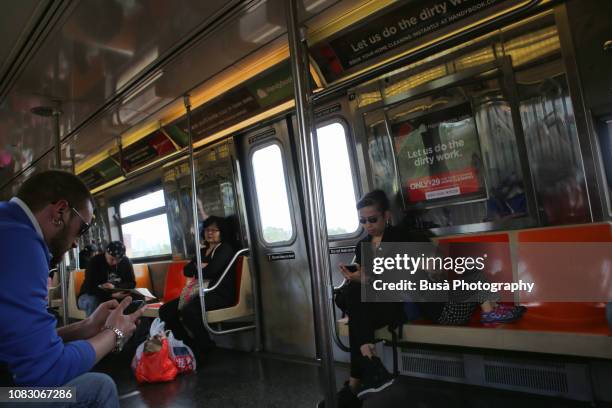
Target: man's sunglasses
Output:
[
  {"x": 84, "y": 225},
  {"x": 371, "y": 220}
]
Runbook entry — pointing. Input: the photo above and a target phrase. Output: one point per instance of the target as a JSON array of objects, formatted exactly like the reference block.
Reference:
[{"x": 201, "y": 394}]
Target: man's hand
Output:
[
  {"x": 104, "y": 341},
  {"x": 107, "y": 285},
  {"x": 93, "y": 324},
  {"x": 119, "y": 295},
  {"x": 125, "y": 323}
]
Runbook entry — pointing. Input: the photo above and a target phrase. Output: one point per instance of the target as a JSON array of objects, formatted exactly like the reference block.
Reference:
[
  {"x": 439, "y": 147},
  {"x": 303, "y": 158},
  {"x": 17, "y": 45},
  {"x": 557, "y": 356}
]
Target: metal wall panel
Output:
[{"x": 286, "y": 288}]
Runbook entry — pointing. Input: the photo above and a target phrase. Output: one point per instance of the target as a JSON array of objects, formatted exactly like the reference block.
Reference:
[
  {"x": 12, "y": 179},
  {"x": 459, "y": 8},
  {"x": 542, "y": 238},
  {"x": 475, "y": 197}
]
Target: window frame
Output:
[
  {"x": 121, "y": 221},
  {"x": 253, "y": 150},
  {"x": 350, "y": 147}
]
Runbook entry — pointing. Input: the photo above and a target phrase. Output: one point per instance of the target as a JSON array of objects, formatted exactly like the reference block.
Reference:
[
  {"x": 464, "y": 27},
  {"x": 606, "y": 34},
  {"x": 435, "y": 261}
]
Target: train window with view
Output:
[
  {"x": 272, "y": 196},
  {"x": 144, "y": 226},
  {"x": 337, "y": 178}
]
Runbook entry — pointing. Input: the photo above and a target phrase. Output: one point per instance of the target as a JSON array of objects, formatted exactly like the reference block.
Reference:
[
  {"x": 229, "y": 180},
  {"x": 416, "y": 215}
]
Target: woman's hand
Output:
[
  {"x": 351, "y": 276},
  {"x": 107, "y": 285}
]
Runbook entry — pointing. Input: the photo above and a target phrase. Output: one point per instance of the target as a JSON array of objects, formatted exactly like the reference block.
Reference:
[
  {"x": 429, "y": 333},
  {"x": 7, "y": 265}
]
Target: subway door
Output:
[
  {"x": 340, "y": 178},
  {"x": 278, "y": 241}
]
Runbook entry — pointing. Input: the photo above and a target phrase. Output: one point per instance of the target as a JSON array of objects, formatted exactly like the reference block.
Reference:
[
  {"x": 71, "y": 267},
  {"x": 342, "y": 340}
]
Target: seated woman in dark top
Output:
[
  {"x": 183, "y": 315},
  {"x": 109, "y": 270}
]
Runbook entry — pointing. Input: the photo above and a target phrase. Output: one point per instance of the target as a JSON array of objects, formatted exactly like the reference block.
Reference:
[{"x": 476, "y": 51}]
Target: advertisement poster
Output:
[
  {"x": 272, "y": 87},
  {"x": 146, "y": 150},
  {"x": 103, "y": 172},
  {"x": 439, "y": 155},
  {"x": 396, "y": 28}
]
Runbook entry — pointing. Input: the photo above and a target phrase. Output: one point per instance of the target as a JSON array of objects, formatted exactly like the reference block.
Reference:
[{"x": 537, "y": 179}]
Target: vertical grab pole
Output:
[
  {"x": 76, "y": 250},
  {"x": 58, "y": 141},
  {"x": 61, "y": 267},
  {"x": 194, "y": 205},
  {"x": 318, "y": 249}
]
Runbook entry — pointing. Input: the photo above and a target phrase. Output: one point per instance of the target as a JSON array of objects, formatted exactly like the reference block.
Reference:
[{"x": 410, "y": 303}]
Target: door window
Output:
[{"x": 272, "y": 196}]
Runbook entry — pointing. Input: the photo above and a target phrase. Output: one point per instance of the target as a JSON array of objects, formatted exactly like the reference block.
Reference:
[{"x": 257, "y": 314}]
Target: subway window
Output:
[
  {"x": 271, "y": 191},
  {"x": 337, "y": 179},
  {"x": 144, "y": 226}
]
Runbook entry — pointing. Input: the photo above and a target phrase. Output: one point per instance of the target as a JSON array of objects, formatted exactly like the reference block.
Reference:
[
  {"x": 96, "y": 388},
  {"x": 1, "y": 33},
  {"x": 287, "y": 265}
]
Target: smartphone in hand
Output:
[
  {"x": 351, "y": 267},
  {"x": 134, "y": 306}
]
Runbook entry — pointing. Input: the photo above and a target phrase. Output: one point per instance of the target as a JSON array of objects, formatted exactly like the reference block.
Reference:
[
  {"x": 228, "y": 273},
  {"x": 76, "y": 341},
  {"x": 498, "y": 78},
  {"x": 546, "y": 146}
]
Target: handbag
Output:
[
  {"x": 190, "y": 291},
  {"x": 341, "y": 299}
]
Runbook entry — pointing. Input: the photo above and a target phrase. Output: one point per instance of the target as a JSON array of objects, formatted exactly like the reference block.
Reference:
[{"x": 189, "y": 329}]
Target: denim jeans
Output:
[
  {"x": 88, "y": 303},
  {"x": 609, "y": 314},
  {"x": 93, "y": 390}
]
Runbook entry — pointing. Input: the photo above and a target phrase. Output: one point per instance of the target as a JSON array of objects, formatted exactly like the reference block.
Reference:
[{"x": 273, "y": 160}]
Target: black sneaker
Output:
[
  {"x": 345, "y": 398},
  {"x": 375, "y": 377}
]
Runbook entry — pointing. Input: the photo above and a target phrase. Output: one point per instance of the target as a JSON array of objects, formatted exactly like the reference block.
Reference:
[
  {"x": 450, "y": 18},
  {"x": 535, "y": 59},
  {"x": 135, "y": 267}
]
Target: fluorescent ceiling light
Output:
[
  {"x": 267, "y": 35},
  {"x": 142, "y": 86},
  {"x": 312, "y": 6},
  {"x": 136, "y": 68}
]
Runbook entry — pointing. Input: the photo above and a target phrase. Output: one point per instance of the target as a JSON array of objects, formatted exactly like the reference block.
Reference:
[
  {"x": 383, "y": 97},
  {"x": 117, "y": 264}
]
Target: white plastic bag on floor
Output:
[
  {"x": 156, "y": 329},
  {"x": 181, "y": 354}
]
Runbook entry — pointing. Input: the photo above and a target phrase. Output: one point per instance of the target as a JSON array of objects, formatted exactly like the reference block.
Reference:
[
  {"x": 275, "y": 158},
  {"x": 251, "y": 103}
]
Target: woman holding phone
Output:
[{"x": 367, "y": 371}]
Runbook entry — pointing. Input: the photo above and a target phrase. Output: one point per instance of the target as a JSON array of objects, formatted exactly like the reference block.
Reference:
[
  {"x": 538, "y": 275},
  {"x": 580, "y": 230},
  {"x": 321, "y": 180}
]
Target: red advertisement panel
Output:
[{"x": 449, "y": 184}]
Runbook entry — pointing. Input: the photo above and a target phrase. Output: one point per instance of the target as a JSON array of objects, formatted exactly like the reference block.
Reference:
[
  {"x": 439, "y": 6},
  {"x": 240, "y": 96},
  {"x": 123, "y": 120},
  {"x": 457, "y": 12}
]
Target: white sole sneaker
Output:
[{"x": 372, "y": 390}]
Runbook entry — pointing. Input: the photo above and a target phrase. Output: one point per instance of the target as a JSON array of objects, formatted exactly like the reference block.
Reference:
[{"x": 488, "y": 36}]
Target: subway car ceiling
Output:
[{"x": 115, "y": 73}]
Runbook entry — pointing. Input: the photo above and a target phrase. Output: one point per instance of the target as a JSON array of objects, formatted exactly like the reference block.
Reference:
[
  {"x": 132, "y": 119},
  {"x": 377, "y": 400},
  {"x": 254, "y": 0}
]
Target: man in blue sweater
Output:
[{"x": 51, "y": 210}]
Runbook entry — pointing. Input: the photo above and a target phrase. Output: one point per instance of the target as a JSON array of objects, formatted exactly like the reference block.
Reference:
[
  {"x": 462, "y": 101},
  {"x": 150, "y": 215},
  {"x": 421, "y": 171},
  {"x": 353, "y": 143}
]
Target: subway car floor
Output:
[{"x": 229, "y": 378}]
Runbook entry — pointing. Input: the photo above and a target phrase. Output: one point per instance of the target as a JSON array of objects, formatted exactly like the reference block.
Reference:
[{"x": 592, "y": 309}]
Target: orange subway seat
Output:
[{"x": 580, "y": 317}]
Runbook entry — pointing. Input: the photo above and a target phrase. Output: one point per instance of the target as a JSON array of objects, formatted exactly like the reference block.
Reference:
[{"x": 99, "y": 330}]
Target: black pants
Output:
[
  {"x": 364, "y": 319},
  {"x": 190, "y": 318}
]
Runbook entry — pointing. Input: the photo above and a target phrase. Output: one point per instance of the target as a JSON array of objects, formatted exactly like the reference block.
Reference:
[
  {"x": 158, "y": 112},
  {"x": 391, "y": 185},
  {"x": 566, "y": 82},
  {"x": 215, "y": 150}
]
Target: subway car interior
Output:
[{"x": 171, "y": 112}]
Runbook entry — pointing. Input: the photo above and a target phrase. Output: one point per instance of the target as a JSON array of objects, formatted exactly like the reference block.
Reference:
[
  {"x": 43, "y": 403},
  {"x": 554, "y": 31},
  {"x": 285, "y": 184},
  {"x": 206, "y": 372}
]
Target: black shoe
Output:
[
  {"x": 375, "y": 377},
  {"x": 345, "y": 398}
]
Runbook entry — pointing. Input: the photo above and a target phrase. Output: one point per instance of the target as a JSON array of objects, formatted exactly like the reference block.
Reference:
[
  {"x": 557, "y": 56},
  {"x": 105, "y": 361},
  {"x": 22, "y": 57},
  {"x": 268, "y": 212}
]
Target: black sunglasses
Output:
[
  {"x": 84, "y": 225},
  {"x": 371, "y": 220}
]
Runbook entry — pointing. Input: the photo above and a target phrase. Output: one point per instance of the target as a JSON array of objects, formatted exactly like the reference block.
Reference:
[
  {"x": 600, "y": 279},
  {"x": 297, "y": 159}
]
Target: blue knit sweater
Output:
[{"x": 29, "y": 344}]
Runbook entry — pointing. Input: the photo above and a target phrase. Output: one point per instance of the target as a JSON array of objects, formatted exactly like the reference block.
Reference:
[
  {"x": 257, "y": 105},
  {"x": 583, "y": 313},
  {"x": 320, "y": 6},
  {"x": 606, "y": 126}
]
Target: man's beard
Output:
[{"x": 59, "y": 245}]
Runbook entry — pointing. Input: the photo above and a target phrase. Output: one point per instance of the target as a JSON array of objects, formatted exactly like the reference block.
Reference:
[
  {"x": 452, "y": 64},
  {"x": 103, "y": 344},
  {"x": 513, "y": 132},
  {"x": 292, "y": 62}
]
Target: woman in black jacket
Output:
[{"x": 183, "y": 315}]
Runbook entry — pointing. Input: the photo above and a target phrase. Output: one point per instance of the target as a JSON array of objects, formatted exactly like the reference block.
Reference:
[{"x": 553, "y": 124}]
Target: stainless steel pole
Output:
[
  {"x": 58, "y": 142},
  {"x": 194, "y": 205},
  {"x": 75, "y": 251},
  {"x": 61, "y": 267},
  {"x": 318, "y": 248}
]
